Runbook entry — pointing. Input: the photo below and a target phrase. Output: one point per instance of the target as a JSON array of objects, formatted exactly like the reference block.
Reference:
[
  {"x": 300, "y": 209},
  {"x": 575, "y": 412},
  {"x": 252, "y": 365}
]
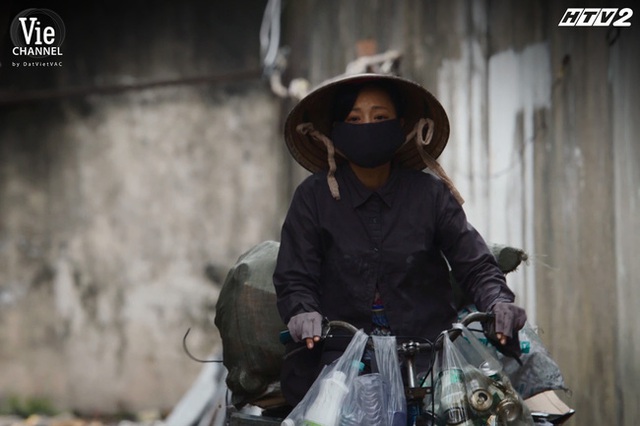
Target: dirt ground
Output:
[{"x": 72, "y": 420}]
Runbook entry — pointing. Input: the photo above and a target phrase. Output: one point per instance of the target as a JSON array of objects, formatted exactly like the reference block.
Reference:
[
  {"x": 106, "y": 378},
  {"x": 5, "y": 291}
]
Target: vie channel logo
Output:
[{"x": 37, "y": 34}]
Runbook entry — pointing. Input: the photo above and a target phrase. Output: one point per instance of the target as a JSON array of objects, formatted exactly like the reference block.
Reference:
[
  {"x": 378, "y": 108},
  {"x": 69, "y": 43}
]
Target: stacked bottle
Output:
[{"x": 453, "y": 399}]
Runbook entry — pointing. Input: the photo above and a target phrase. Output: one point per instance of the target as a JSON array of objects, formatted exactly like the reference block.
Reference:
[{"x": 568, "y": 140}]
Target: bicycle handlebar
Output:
[{"x": 411, "y": 347}]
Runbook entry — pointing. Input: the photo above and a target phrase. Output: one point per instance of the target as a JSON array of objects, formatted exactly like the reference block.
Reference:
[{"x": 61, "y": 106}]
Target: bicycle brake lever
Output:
[{"x": 326, "y": 328}]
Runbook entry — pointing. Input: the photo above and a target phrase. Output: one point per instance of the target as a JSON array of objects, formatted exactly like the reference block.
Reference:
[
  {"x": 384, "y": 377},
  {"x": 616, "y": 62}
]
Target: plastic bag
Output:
[
  {"x": 451, "y": 406},
  {"x": 342, "y": 397},
  {"x": 377, "y": 399},
  {"x": 387, "y": 360},
  {"x": 538, "y": 372},
  {"x": 322, "y": 405},
  {"x": 475, "y": 353},
  {"x": 367, "y": 402},
  {"x": 489, "y": 391}
]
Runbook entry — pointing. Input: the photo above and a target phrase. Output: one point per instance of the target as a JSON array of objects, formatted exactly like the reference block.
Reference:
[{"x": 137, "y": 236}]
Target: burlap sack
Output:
[{"x": 249, "y": 324}]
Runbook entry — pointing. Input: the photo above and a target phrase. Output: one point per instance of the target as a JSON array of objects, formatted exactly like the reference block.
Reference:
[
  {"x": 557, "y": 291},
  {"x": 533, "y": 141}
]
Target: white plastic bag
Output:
[
  {"x": 451, "y": 403},
  {"x": 387, "y": 359},
  {"x": 340, "y": 396},
  {"x": 322, "y": 405}
]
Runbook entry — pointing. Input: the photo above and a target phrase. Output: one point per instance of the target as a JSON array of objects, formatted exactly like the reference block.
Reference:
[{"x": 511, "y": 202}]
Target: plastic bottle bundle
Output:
[
  {"x": 488, "y": 389},
  {"x": 511, "y": 409},
  {"x": 453, "y": 406},
  {"x": 450, "y": 392},
  {"x": 367, "y": 402},
  {"x": 479, "y": 392}
]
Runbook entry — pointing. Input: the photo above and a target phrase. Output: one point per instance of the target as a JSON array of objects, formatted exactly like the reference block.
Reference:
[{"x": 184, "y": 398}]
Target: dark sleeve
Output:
[
  {"x": 473, "y": 265},
  {"x": 297, "y": 274}
]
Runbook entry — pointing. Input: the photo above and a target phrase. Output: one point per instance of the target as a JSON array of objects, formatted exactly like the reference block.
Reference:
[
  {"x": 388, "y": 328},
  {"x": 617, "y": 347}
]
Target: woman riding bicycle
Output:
[{"x": 370, "y": 238}]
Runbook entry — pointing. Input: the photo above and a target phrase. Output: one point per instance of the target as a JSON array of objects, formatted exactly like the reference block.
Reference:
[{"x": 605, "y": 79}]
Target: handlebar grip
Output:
[
  {"x": 477, "y": 316},
  {"x": 285, "y": 337}
]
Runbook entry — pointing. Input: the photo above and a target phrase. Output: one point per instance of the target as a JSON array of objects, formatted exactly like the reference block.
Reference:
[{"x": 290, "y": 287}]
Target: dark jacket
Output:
[{"x": 335, "y": 253}]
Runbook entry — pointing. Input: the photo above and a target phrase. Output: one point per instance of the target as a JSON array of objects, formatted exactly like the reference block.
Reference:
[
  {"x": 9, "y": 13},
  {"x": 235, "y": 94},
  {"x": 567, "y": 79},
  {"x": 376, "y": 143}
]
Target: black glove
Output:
[
  {"x": 305, "y": 325},
  {"x": 508, "y": 320}
]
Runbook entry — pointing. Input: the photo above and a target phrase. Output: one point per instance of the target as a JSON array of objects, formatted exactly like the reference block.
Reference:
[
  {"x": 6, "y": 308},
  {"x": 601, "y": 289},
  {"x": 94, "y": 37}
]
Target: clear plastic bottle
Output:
[
  {"x": 371, "y": 394},
  {"x": 325, "y": 410},
  {"x": 454, "y": 409},
  {"x": 366, "y": 403}
]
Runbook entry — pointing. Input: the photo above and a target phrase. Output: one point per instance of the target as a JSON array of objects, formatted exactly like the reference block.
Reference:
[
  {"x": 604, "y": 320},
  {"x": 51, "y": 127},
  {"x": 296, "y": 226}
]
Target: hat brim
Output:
[{"x": 316, "y": 108}]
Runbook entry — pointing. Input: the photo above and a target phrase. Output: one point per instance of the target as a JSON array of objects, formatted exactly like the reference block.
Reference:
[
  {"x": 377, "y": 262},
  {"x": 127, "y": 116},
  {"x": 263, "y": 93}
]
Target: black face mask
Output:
[{"x": 368, "y": 145}]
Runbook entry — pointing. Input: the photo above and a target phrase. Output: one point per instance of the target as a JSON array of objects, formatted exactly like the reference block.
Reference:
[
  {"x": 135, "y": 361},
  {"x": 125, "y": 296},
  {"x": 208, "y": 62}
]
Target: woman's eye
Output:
[
  {"x": 352, "y": 119},
  {"x": 381, "y": 117}
]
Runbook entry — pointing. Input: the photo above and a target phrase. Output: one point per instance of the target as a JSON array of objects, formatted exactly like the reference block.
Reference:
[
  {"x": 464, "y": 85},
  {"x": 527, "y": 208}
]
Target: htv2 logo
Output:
[{"x": 596, "y": 17}]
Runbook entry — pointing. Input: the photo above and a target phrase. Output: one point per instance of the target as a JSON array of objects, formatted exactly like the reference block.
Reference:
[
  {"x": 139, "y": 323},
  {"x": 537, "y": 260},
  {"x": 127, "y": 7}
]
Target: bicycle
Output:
[
  {"x": 416, "y": 388},
  {"x": 408, "y": 349}
]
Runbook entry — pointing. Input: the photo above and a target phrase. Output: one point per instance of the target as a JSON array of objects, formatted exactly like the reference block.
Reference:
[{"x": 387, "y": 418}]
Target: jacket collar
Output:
[{"x": 360, "y": 193}]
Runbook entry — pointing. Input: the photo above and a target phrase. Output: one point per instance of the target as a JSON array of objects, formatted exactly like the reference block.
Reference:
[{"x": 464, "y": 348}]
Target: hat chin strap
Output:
[
  {"x": 429, "y": 161},
  {"x": 421, "y": 144},
  {"x": 308, "y": 129}
]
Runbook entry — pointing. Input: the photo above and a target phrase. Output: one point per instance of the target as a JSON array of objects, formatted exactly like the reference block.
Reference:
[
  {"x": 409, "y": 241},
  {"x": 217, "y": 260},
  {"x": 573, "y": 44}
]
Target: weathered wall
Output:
[
  {"x": 543, "y": 150},
  {"x": 112, "y": 207},
  {"x": 576, "y": 224},
  {"x": 624, "y": 66}
]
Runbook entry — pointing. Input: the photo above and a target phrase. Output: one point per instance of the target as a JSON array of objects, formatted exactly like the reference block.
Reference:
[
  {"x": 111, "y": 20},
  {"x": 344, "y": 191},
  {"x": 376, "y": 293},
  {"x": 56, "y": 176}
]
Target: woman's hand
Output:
[
  {"x": 509, "y": 319},
  {"x": 306, "y": 326}
]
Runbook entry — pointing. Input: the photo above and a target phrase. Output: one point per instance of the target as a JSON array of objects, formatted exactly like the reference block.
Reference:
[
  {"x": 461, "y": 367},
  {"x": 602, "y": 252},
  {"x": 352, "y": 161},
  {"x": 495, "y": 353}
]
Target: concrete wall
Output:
[
  {"x": 624, "y": 66},
  {"x": 121, "y": 213}
]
